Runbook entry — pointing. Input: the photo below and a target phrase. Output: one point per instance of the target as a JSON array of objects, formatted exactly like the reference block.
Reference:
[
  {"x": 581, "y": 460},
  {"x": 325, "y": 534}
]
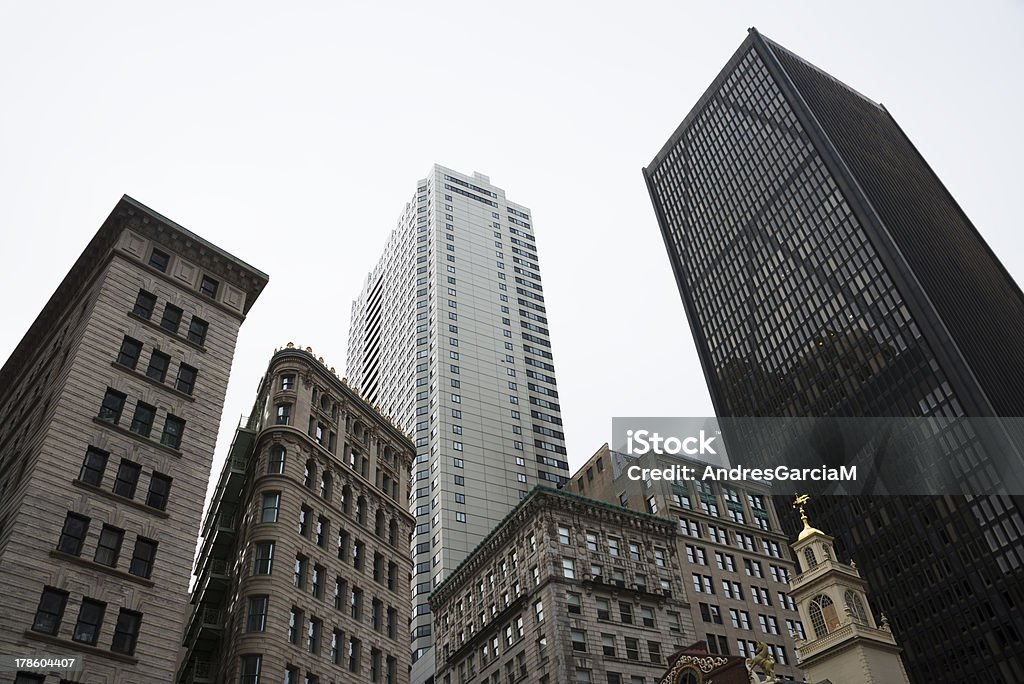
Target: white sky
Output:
[{"x": 291, "y": 136}]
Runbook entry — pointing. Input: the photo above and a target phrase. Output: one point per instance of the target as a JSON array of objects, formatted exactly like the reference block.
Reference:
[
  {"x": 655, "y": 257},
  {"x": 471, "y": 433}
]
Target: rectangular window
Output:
[
  {"x": 72, "y": 536},
  {"x": 263, "y": 558},
  {"x": 186, "y": 381},
  {"x": 197, "y": 331},
  {"x": 158, "y": 363},
  {"x": 90, "y": 621},
  {"x": 159, "y": 259},
  {"x": 143, "y": 557},
  {"x": 173, "y": 429},
  {"x": 128, "y": 356},
  {"x": 208, "y": 287},
  {"x": 50, "y": 611},
  {"x": 109, "y": 546},
  {"x": 159, "y": 490},
  {"x": 250, "y": 667},
  {"x": 171, "y": 318},
  {"x": 126, "y": 632},
  {"x": 144, "y": 304},
  {"x": 113, "y": 404},
  {"x": 142, "y": 421},
  {"x": 127, "y": 478},
  {"x": 284, "y": 414},
  {"x": 93, "y": 466}
]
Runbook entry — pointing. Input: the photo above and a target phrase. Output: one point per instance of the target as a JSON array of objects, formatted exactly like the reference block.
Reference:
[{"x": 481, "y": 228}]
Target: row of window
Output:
[
  {"x": 145, "y": 304},
  {"x": 131, "y": 350},
  {"x": 143, "y": 418},
  {"x": 718, "y": 534},
  {"x": 108, "y": 545},
  {"x": 347, "y": 653},
  {"x": 91, "y": 614},
  {"x": 697, "y": 555},
  {"x": 127, "y": 479}
]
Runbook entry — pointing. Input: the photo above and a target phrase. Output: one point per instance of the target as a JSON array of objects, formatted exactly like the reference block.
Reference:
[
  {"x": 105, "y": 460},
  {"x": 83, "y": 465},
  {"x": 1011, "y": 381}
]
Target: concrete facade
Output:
[
  {"x": 111, "y": 407},
  {"x": 732, "y": 554},
  {"x": 564, "y": 589},
  {"x": 304, "y": 566},
  {"x": 450, "y": 338}
]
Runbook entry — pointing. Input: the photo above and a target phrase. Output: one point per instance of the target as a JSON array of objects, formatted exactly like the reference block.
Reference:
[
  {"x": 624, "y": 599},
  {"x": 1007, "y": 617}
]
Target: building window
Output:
[
  {"x": 126, "y": 632},
  {"x": 460, "y": 517},
  {"x": 208, "y": 287},
  {"x": 128, "y": 356},
  {"x": 294, "y": 620},
  {"x": 271, "y": 504},
  {"x": 113, "y": 404},
  {"x": 158, "y": 364},
  {"x": 93, "y": 466},
  {"x": 288, "y": 381},
  {"x": 250, "y": 667},
  {"x": 257, "y": 615},
  {"x": 197, "y": 331},
  {"x": 142, "y": 421},
  {"x": 144, "y": 304},
  {"x": 186, "y": 381},
  {"x": 313, "y": 635},
  {"x": 143, "y": 557},
  {"x": 568, "y": 568},
  {"x": 90, "y": 621},
  {"x": 299, "y": 579},
  {"x": 171, "y": 318},
  {"x": 50, "y": 611},
  {"x": 127, "y": 478},
  {"x": 563, "y": 535},
  {"x": 579, "y": 640},
  {"x": 173, "y": 429},
  {"x": 159, "y": 259},
  {"x": 263, "y": 558},
  {"x": 275, "y": 464},
  {"x": 159, "y": 491},
  {"x": 284, "y": 414},
  {"x": 109, "y": 546}
]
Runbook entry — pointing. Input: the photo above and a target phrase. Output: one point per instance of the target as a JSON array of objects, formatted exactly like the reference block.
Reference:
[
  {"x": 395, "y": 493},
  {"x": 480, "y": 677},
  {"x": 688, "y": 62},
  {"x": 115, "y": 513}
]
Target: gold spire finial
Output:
[{"x": 801, "y": 501}]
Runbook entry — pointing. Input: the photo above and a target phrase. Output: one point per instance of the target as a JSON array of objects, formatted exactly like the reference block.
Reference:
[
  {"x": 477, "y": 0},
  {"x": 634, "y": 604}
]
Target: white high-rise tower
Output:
[{"x": 450, "y": 338}]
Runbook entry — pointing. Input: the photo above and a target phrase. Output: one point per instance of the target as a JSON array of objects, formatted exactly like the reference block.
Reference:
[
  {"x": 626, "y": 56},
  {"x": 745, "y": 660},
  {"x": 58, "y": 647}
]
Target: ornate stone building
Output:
[
  {"x": 564, "y": 589},
  {"x": 108, "y": 416},
  {"x": 732, "y": 553},
  {"x": 304, "y": 565}
]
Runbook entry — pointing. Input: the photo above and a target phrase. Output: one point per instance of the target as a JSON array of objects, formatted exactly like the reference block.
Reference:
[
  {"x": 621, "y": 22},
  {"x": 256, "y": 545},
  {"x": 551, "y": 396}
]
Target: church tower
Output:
[{"x": 844, "y": 643}]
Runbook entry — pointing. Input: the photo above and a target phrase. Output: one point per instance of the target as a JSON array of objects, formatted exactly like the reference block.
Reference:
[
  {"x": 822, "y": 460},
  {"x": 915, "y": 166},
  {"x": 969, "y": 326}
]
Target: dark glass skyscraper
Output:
[{"x": 826, "y": 271}]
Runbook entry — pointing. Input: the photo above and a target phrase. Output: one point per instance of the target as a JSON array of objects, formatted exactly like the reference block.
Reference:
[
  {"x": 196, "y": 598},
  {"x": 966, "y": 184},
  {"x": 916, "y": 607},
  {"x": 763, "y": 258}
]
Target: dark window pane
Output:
[
  {"x": 144, "y": 304},
  {"x": 72, "y": 536},
  {"x": 159, "y": 260},
  {"x": 142, "y": 557},
  {"x": 186, "y": 378},
  {"x": 208, "y": 287},
  {"x": 158, "y": 364},
  {"x": 159, "y": 490},
  {"x": 93, "y": 466},
  {"x": 142, "y": 421},
  {"x": 171, "y": 319},
  {"x": 173, "y": 429},
  {"x": 50, "y": 611},
  {"x": 113, "y": 403},
  {"x": 126, "y": 631},
  {"x": 109, "y": 546},
  {"x": 197, "y": 331},
  {"x": 90, "y": 620},
  {"x": 129, "y": 354},
  {"x": 127, "y": 477}
]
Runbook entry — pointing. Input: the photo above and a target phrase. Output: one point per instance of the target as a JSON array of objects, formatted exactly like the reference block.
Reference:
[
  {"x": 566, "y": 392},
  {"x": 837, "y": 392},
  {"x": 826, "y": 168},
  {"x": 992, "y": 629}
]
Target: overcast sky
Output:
[{"x": 291, "y": 135}]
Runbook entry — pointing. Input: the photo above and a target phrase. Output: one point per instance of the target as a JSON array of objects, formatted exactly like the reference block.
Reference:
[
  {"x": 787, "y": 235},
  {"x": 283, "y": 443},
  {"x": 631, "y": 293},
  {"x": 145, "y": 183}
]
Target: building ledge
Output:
[
  {"x": 99, "y": 567},
  {"x": 79, "y": 647},
  {"x": 121, "y": 499},
  {"x": 137, "y": 437}
]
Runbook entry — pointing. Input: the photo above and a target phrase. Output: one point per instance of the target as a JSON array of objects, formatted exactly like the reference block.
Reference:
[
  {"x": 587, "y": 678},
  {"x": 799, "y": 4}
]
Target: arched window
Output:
[
  {"x": 393, "y": 533},
  {"x": 379, "y": 523},
  {"x": 325, "y": 485},
  {"x": 275, "y": 463},
  {"x": 309, "y": 474},
  {"x": 823, "y": 615},
  {"x": 689, "y": 676},
  {"x": 361, "y": 510},
  {"x": 325, "y": 402},
  {"x": 856, "y": 606},
  {"x": 346, "y": 499},
  {"x": 809, "y": 560}
]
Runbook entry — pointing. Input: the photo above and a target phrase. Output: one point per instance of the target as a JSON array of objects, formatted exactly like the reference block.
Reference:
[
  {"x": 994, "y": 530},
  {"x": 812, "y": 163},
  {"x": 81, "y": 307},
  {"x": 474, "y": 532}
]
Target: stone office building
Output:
[
  {"x": 108, "y": 417},
  {"x": 564, "y": 589},
  {"x": 303, "y": 571},
  {"x": 732, "y": 553}
]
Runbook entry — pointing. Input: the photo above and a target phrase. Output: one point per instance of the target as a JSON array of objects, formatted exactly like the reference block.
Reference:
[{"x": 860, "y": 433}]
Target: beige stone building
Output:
[
  {"x": 845, "y": 644},
  {"x": 564, "y": 589},
  {"x": 303, "y": 571},
  {"x": 733, "y": 557},
  {"x": 110, "y": 410}
]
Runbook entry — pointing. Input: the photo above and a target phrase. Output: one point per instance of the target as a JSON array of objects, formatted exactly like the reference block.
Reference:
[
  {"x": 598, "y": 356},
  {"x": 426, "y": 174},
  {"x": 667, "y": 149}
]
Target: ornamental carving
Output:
[{"x": 704, "y": 663}]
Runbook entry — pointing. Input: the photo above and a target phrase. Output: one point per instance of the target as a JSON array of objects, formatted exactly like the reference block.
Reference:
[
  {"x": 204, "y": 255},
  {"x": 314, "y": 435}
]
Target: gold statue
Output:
[{"x": 763, "y": 659}]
